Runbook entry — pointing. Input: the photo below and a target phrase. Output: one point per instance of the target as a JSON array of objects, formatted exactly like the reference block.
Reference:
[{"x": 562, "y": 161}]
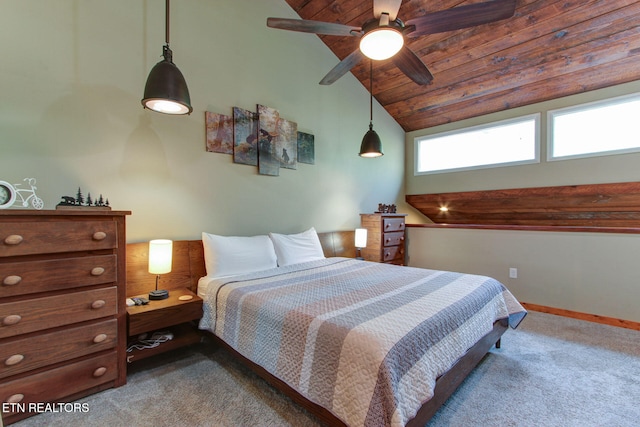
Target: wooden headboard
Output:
[{"x": 188, "y": 262}]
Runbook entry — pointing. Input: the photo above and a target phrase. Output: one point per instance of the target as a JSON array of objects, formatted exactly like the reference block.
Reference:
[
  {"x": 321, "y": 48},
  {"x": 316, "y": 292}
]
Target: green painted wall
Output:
[{"x": 71, "y": 80}]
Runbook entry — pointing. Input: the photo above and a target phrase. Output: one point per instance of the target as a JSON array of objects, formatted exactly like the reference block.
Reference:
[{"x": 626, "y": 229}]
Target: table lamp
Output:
[
  {"x": 360, "y": 241},
  {"x": 160, "y": 254}
]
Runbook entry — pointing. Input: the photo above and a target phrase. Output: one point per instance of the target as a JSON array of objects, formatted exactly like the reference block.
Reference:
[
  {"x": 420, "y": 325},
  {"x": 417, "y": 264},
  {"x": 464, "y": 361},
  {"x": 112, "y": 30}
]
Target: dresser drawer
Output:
[
  {"x": 393, "y": 254},
  {"x": 55, "y": 384},
  {"x": 393, "y": 239},
  {"x": 25, "y": 354},
  {"x": 19, "y": 278},
  {"x": 26, "y": 238},
  {"x": 392, "y": 224},
  {"x": 48, "y": 312}
]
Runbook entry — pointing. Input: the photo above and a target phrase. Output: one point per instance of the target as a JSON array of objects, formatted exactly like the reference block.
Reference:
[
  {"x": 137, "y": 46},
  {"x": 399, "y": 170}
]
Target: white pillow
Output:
[
  {"x": 296, "y": 248},
  {"x": 231, "y": 255}
]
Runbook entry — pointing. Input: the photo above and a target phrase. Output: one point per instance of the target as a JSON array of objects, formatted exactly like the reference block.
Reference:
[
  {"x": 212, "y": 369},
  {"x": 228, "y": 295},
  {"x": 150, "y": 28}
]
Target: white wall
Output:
[{"x": 71, "y": 79}]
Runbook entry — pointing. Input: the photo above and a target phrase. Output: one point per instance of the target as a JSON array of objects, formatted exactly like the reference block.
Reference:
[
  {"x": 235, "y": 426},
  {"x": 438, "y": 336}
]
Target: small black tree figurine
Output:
[{"x": 79, "y": 197}]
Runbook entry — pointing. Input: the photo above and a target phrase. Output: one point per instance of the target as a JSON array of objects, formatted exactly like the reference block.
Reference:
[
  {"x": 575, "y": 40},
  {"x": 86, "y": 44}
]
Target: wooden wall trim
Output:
[
  {"x": 628, "y": 324},
  {"x": 573, "y": 207}
]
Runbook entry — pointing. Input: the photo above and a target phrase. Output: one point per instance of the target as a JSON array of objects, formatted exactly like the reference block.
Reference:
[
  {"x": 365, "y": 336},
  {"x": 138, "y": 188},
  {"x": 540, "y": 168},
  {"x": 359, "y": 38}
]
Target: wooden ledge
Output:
[
  {"x": 554, "y": 228},
  {"x": 609, "y": 208}
]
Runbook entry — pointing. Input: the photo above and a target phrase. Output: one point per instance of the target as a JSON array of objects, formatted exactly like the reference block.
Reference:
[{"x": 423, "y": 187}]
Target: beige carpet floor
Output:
[{"x": 551, "y": 371}]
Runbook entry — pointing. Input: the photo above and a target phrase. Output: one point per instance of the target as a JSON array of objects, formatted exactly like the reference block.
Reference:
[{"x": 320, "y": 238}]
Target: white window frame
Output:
[
  {"x": 535, "y": 117},
  {"x": 551, "y": 114}
]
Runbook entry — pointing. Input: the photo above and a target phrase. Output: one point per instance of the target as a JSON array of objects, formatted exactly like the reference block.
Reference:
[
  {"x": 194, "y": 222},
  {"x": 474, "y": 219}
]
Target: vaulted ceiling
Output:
[{"x": 548, "y": 49}]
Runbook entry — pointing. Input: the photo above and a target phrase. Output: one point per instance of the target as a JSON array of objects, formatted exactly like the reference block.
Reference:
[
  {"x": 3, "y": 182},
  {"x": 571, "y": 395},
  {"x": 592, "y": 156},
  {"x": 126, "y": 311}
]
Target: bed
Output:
[{"x": 357, "y": 343}]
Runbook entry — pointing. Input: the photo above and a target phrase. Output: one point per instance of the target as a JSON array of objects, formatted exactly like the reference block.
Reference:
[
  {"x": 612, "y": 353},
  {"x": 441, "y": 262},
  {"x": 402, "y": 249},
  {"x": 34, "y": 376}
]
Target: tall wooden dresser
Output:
[
  {"x": 62, "y": 307},
  {"x": 385, "y": 237}
]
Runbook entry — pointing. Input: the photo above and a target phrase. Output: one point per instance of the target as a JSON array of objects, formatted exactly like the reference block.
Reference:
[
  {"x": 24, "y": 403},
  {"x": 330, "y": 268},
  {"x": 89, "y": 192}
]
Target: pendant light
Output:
[
  {"x": 166, "y": 90},
  {"x": 371, "y": 145}
]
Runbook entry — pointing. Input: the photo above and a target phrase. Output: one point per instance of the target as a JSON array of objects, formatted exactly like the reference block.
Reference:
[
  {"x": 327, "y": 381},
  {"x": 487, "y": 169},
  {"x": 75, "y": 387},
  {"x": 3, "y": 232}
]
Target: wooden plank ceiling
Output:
[{"x": 549, "y": 49}]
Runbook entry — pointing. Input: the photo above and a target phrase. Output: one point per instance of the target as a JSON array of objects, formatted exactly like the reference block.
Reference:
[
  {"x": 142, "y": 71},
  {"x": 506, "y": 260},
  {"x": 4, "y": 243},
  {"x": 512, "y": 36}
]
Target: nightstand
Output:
[{"x": 179, "y": 316}]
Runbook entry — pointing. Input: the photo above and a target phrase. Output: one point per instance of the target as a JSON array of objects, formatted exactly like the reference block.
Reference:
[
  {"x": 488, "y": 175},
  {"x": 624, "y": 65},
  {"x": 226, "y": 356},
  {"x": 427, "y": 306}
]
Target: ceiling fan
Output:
[{"x": 385, "y": 32}]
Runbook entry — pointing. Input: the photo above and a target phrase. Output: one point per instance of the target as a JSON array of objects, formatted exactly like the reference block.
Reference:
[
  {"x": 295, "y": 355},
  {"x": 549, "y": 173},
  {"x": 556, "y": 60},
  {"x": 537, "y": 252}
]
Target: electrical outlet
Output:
[{"x": 513, "y": 273}]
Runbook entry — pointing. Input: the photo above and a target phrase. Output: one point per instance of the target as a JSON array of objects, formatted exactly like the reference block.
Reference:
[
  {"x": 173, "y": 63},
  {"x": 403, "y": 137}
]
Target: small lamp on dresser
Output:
[
  {"x": 360, "y": 241},
  {"x": 160, "y": 255}
]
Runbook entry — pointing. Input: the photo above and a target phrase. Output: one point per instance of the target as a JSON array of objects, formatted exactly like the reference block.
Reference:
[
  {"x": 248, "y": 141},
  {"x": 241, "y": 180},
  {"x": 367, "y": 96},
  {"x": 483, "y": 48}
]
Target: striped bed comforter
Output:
[{"x": 364, "y": 340}]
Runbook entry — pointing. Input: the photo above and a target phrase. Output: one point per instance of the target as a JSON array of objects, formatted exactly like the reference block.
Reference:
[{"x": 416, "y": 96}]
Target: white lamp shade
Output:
[
  {"x": 361, "y": 238},
  {"x": 160, "y": 254}
]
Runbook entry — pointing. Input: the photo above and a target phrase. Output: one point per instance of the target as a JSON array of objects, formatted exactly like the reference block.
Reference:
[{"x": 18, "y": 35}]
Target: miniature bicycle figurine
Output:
[{"x": 9, "y": 193}]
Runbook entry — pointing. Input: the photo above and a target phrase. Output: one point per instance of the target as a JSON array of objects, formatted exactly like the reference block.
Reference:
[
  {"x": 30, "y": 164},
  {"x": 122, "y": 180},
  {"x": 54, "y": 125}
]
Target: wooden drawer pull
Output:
[
  {"x": 97, "y": 271},
  {"x": 99, "y": 372},
  {"x": 99, "y": 235},
  {"x": 14, "y": 360},
  {"x": 99, "y": 338},
  {"x": 11, "y": 280},
  {"x": 11, "y": 319},
  {"x": 99, "y": 303},
  {"x": 14, "y": 239},
  {"x": 15, "y": 398}
]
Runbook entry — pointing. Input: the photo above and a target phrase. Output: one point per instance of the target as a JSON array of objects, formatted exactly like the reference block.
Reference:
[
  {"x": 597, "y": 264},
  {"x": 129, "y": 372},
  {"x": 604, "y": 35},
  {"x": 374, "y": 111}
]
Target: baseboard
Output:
[{"x": 628, "y": 324}]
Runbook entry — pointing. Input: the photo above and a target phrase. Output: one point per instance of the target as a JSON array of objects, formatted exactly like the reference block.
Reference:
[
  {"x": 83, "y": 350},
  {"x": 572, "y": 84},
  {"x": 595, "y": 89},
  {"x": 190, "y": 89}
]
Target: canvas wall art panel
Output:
[
  {"x": 306, "y": 148},
  {"x": 245, "y": 137},
  {"x": 287, "y": 144},
  {"x": 219, "y": 131},
  {"x": 268, "y": 163}
]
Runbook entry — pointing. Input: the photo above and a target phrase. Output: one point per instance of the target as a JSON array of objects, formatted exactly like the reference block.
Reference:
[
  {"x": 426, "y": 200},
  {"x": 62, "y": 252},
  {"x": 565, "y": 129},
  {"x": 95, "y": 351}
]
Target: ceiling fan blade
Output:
[
  {"x": 317, "y": 27},
  {"x": 386, "y": 6},
  {"x": 410, "y": 64},
  {"x": 462, "y": 17},
  {"x": 343, "y": 67}
]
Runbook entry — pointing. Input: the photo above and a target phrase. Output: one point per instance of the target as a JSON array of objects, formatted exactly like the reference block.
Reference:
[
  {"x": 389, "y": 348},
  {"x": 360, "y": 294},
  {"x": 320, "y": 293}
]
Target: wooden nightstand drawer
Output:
[
  {"x": 20, "y": 278},
  {"x": 36, "y": 314},
  {"x": 160, "y": 314},
  {"x": 25, "y": 238},
  {"x": 58, "y": 383},
  {"x": 24, "y": 354}
]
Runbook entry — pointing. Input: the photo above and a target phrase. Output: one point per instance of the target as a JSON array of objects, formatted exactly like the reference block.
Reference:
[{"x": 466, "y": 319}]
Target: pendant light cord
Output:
[
  {"x": 166, "y": 23},
  {"x": 370, "y": 92}
]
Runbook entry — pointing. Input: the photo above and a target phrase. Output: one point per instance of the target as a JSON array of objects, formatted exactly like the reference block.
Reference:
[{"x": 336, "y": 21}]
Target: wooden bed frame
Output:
[{"x": 188, "y": 267}]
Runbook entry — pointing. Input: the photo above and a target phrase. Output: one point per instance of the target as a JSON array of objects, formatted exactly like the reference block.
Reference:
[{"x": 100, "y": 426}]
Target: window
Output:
[
  {"x": 504, "y": 143},
  {"x": 595, "y": 129}
]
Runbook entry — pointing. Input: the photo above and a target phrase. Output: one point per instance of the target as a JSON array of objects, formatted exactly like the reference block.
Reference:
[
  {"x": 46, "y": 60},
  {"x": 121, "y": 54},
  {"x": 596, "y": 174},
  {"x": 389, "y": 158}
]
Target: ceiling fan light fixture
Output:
[{"x": 381, "y": 43}]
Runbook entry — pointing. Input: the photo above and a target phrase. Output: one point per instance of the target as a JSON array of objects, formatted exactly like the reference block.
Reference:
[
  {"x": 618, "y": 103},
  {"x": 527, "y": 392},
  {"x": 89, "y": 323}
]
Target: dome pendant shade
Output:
[
  {"x": 166, "y": 89},
  {"x": 371, "y": 145}
]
